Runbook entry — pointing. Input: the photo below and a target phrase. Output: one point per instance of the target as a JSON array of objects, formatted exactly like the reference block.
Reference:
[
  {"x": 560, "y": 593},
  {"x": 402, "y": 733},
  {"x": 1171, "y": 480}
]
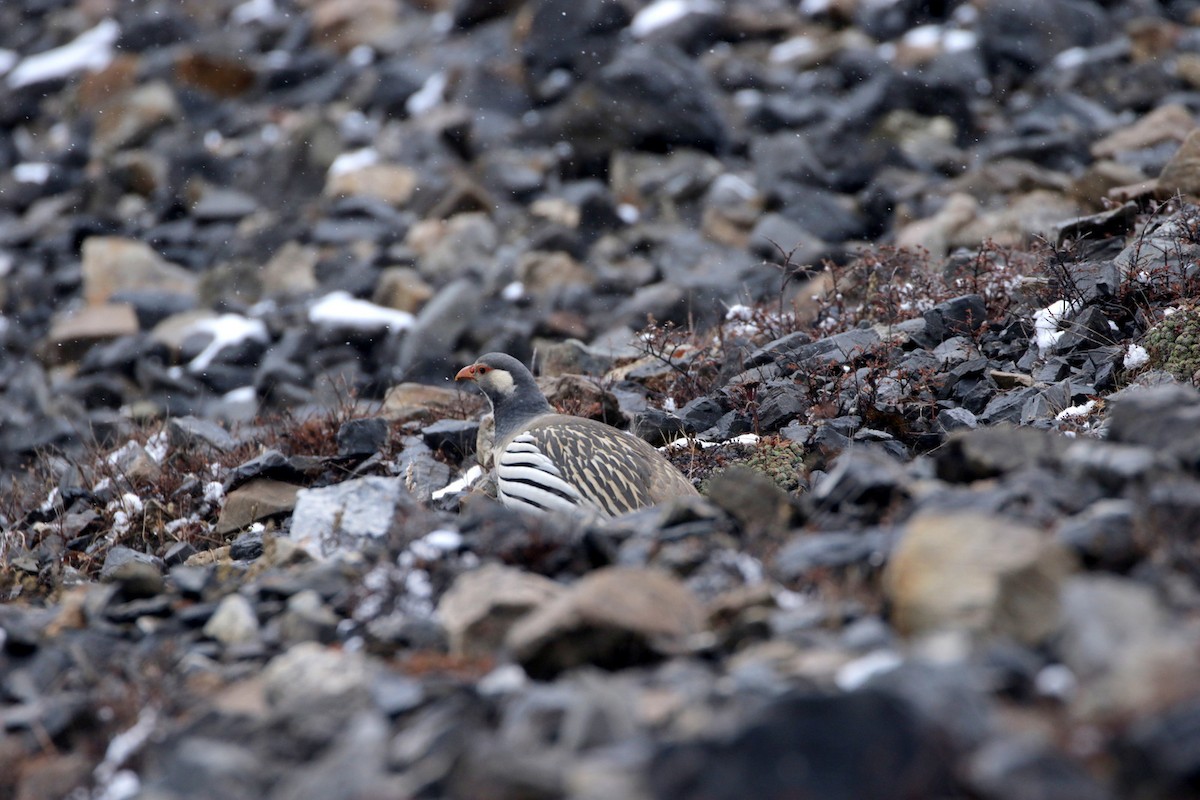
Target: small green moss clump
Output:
[
  {"x": 780, "y": 460},
  {"x": 1174, "y": 344}
]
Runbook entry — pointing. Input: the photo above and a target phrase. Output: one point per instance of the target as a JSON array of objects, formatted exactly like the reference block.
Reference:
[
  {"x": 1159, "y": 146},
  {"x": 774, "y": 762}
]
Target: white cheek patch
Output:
[{"x": 501, "y": 380}]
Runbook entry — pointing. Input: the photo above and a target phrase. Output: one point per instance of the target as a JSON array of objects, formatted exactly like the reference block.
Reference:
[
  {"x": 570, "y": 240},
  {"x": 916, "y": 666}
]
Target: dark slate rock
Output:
[
  {"x": 960, "y": 316},
  {"x": 700, "y": 414},
  {"x": 779, "y": 403},
  {"x": 988, "y": 452},
  {"x": 1021, "y": 768},
  {"x": 1103, "y": 535},
  {"x": 798, "y": 348},
  {"x": 865, "y": 745},
  {"x": 452, "y": 435},
  {"x": 362, "y": 437},
  {"x": 1159, "y": 756},
  {"x": 1089, "y": 329},
  {"x": 1164, "y": 418},
  {"x": 178, "y": 553},
  {"x": 138, "y": 574},
  {"x": 731, "y": 424},
  {"x": 192, "y": 432},
  {"x": 1008, "y": 407},
  {"x": 796, "y": 560},
  {"x": 956, "y": 419},
  {"x": 646, "y": 98},
  {"x": 660, "y": 427},
  {"x": 863, "y": 477},
  {"x": 247, "y": 546}
]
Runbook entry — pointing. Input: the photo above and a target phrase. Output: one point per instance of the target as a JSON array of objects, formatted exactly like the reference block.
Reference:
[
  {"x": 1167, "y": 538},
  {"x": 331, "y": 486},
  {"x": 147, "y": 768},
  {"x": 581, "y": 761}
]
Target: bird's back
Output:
[{"x": 567, "y": 463}]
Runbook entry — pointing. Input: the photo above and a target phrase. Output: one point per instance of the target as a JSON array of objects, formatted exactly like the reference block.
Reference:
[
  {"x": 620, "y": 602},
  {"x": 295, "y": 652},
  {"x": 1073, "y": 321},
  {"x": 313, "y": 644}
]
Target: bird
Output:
[{"x": 547, "y": 462}]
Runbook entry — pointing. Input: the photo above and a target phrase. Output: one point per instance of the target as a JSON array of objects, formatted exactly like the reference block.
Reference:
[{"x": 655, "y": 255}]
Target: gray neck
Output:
[{"x": 514, "y": 411}]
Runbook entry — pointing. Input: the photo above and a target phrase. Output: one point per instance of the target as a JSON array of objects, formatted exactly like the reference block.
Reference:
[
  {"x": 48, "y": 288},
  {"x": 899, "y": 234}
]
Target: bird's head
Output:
[{"x": 509, "y": 387}]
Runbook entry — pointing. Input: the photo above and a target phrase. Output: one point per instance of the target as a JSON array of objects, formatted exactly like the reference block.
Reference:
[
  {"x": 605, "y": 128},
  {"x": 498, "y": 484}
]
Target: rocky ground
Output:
[{"x": 907, "y": 289}]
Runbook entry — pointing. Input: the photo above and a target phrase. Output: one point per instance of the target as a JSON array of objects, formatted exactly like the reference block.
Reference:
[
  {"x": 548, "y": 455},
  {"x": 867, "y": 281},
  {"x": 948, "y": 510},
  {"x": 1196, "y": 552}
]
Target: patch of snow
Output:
[
  {"x": 957, "y": 41},
  {"x": 792, "y": 49},
  {"x": 8, "y": 58},
  {"x": 463, "y": 483},
  {"x": 112, "y": 782},
  {"x": 436, "y": 544},
  {"x": 1071, "y": 58},
  {"x": 629, "y": 213},
  {"x": 812, "y": 8},
  {"x": 340, "y": 310},
  {"x": 1076, "y": 411},
  {"x": 127, "y": 450},
  {"x": 226, "y": 330},
  {"x": 923, "y": 36},
  {"x": 662, "y": 13},
  {"x": 50, "y": 502},
  {"x": 90, "y": 50},
  {"x": 504, "y": 679},
  {"x": 253, "y": 11},
  {"x": 214, "y": 492},
  {"x": 683, "y": 441},
  {"x": 1047, "y": 320},
  {"x": 157, "y": 446},
  {"x": 32, "y": 172},
  {"x": 1135, "y": 357},
  {"x": 354, "y": 161},
  {"x": 513, "y": 291},
  {"x": 855, "y": 673},
  {"x": 1056, "y": 681},
  {"x": 431, "y": 95}
]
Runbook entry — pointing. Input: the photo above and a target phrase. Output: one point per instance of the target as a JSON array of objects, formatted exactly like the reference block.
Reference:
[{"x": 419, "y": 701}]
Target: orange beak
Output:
[{"x": 467, "y": 373}]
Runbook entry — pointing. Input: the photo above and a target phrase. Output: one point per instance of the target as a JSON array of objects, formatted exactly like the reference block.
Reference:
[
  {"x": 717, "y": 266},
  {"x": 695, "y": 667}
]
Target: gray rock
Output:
[
  {"x": 341, "y": 516},
  {"x": 234, "y": 622},
  {"x": 977, "y": 574},
  {"x": 1024, "y": 767},
  {"x": 1103, "y": 535},
  {"x": 481, "y": 606},
  {"x": 138, "y": 574},
  {"x": 362, "y": 437},
  {"x": 614, "y": 617},
  {"x": 799, "y": 744},
  {"x": 956, "y": 419},
  {"x": 962, "y": 315}
]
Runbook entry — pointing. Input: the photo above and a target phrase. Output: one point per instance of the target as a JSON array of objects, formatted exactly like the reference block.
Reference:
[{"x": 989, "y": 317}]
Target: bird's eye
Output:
[{"x": 483, "y": 370}]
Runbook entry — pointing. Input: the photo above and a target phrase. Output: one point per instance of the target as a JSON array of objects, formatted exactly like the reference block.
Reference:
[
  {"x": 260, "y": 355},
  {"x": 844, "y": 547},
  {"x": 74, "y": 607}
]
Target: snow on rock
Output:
[{"x": 340, "y": 310}]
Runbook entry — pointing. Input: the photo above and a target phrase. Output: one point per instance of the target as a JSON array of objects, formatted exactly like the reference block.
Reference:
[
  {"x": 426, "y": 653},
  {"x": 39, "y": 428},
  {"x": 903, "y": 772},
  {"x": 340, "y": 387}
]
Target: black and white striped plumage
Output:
[{"x": 546, "y": 461}]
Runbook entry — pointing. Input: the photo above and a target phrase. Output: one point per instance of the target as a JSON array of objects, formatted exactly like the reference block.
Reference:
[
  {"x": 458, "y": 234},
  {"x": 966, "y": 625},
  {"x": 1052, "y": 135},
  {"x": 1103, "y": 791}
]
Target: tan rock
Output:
[
  {"x": 346, "y": 24},
  {"x": 612, "y": 618},
  {"x": 113, "y": 264},
  {"x": 1181, "y": 175},
  {"x": 481, "y": 606},
  {"x": 1024, "y": 217},
  {"x": 73, "y": 334},
  {"x": 934, "y": 233},
  {"x": 292, "y": 271},
  {"x": 419, "y": 402},
  {"x": 1165, "y": 123},
  {"x": 254, "y": 501},
  {"x": 392, "y": 183},
  {"x": 977, "y": 574},
  {"x": 1187, "y": 67},
  {"x": 131, "y": 117},
  {"x": 402, "y": 288},
  {"x": 541, "y": 271},
  {"x": 177, "y": 327}
]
